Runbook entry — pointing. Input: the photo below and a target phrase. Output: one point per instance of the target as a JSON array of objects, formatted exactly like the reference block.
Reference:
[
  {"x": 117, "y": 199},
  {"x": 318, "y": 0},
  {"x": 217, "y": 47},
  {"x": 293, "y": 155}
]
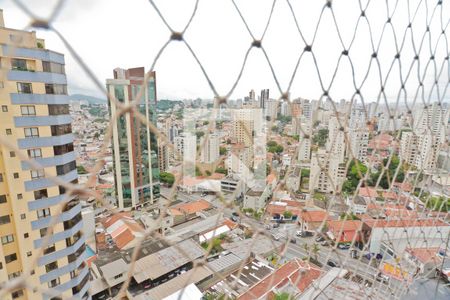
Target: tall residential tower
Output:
[
  {"x": 34, "y": 117},
  {"x": 135, "y": 148}
]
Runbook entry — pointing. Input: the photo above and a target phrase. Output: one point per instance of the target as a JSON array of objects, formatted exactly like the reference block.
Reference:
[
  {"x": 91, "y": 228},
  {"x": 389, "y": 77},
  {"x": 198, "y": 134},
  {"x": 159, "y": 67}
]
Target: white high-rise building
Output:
[
  {"x": 245, "y": 122},
  {"x": 327, "y": 173},
  {"x": 336, "y": 138},
  {"x": 420, "y": 150},
  {"x": 358, "y": 133},
  {"x": 359, "y": 141},
  {"x": 285, "y": 109},
  {"x": 210, "y": 148},
  {"x": 433, "y": 119},
  {"x": 271, "y": 109},
  {"x": 239, "y": 161}
]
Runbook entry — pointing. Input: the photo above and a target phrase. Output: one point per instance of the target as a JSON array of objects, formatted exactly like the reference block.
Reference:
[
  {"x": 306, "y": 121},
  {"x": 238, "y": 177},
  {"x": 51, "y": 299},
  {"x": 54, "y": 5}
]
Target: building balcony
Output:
[
  {"x": 60, "y": 254},
  {"x": 41, "y": 54},
  {"x": 47, "y": 141},
  {"x": 43, "y": 183},
  {"x": 62, "y": 217},
  {"x": 44, "y": 77},
  {"x": 38, "y": 99},
  {"x": 51, "y": 161},
  {"x": 59, "y": 236},
  {"x": 48, "y": 202},
  {"x": 27, "y": 121}
]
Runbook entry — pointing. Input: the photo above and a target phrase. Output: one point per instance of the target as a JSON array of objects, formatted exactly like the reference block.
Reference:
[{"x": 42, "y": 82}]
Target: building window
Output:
[
  {"x": 2, "y": 199},
  {"x": 19, "y": 64},
  {"x": 1, "y": 177},
  {"x": 7, "y": 239},
  {"x": 55, "y": 89},
  {"x": 5, "y": 220},
  {"x": 43, "y": 213},
  {"x": 16, "y": 175},
  {"x": 14, "y": 275},
  {"x": 43, "y": 232},
  {"x": 53, "y": 283},
  {"x": 1, "y": 266},
  {"x": 36, "y": 174},
  {"x": 17, "y": 294},
  {"x": 12, "y": 154},
  {"x": 49, "y": 249},
  {"x": 66, "y": 168},
  {"x": 4, "y": 108},
  {"x": 28, "y": 110},
  {"x": 24, "y": 88},
  {"x": 26, "y": 235},
  {"x": 10, "y": 258},
  {"x": 23, "y": 216},
  {"x": 40, "y": 194},
  {"x": 61, "y": 129},
  {"x": 34, "y": 153},
  {"x": 8, "y": 131},
  {"x": 31, "y": 132},
  {"x": 19, "y": 196},
  {"x": 51, "y": 266},
  {"x": 58, "y": 109},
  {"x": 53, "y": 67},
  {"x": 63, "y": 149}
]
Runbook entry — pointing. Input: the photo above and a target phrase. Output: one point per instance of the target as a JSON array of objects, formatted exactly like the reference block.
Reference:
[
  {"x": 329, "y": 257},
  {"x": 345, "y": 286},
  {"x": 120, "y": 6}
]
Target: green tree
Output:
[
  {"x": 221, "y": 170},
  {"x": 389, "y": 173},
  {"x": 355, "y": 172},
  {"x": 305, "y": 173},
  {"x": 315, "y": 250},
  {"x": 321, "y": 137},
  {"x": 223, "y": 150},
  {"x": 287, "y": 214},
  {"x": 81, "y": 170},
  {"x": 167, "y": 178},
  {"x": 199, "y": 134},
  {"x": 282, "y": 296},
  {"x": 438, "y": 204}
]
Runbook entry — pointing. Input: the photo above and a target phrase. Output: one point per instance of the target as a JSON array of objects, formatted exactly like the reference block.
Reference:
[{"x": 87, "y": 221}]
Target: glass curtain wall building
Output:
[{"x": 135, "y": 148}]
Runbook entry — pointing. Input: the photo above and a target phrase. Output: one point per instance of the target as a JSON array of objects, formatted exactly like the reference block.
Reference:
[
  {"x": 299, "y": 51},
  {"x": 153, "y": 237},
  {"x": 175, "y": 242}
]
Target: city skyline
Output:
[{"x": 172, "y": 81}]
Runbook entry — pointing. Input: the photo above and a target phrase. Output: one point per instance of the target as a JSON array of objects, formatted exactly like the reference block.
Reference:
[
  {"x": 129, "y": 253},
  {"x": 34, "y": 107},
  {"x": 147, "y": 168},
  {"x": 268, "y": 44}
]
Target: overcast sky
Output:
[{"x": 114, "y": 33}]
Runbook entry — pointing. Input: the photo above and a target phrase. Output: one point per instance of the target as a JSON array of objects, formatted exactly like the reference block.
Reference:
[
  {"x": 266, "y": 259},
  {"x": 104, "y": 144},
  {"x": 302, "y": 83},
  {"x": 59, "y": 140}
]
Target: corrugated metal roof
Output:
[{"x": 166, "y": 260}]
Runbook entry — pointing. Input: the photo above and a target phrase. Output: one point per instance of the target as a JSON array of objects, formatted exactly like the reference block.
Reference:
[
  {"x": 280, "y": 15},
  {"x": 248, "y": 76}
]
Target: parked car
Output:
[
  {"x": 293, "y": 241},
  {"x": 332, "y": 263},
  {"x": 354, "y": 254},
  {"x": 343, "y": 246},
  {"x": 303, "y": 233},
  {"x": 320, "y": 239},
  {"x": 383, "y": 278},
  {"x": 276, "y": 237}
]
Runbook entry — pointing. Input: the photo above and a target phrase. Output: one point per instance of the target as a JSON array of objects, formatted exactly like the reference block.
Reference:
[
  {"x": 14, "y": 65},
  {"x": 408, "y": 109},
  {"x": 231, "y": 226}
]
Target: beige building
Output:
[
  {"x": 34, "y": 117},
  {"x": 327, "y": 173}
]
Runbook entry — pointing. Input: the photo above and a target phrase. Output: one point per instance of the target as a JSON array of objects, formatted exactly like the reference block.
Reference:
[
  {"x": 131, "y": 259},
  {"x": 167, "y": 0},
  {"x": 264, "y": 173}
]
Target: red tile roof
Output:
[
  {"x": 296, "y": 272},
  {"x": 346, "y": 231},
  {"x": 424, "y": 255},
  {"x": 368, "y": 192},
  {"x": 191, "y": 207},
  {"x": 314, "y": 215}
]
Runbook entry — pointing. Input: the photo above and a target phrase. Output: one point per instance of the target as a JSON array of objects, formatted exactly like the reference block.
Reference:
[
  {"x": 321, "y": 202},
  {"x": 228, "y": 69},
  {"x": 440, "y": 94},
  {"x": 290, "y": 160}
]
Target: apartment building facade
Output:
[{"x": 34, "y": 117}]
